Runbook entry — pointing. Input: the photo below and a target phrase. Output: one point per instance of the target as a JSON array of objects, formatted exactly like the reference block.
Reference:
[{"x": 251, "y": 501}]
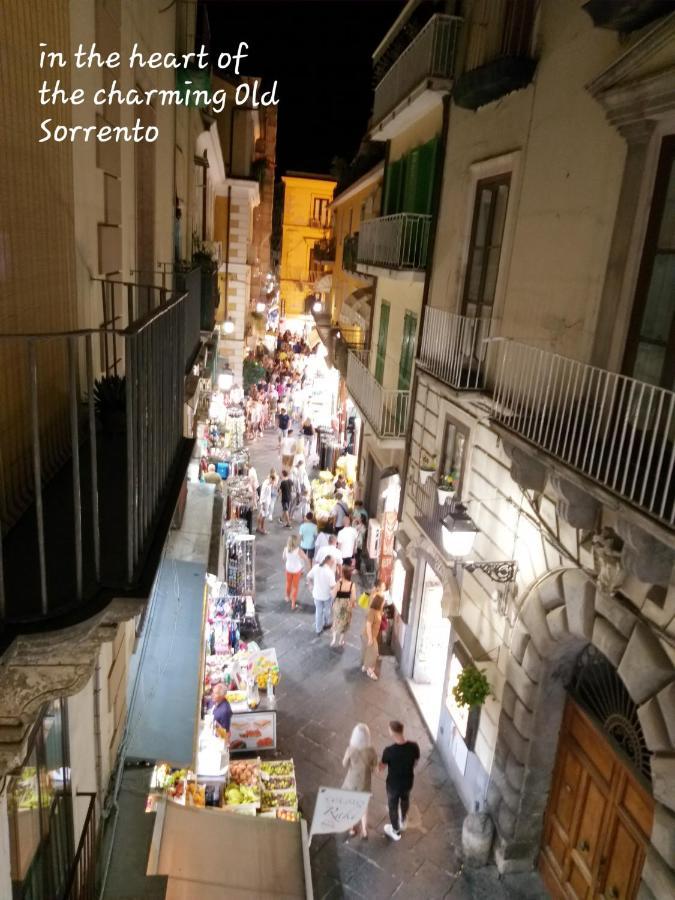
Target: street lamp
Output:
[
  {"x": 317, "y": 306},
  {"x": 260, "y": 307},
  {"x": 228, "y": 326},
  {"x": 459, "y": 533}
]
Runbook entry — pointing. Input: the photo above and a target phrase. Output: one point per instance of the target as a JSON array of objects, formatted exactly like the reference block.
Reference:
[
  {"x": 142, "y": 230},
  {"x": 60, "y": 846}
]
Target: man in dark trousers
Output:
[
  {"x": 222, "y": 711},
  {"x": 400, "y": 759}
]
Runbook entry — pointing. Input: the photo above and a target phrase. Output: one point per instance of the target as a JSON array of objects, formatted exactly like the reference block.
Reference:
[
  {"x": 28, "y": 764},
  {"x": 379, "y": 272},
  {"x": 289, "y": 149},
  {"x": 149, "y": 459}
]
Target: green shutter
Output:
[
  {"x": 392, "y": 190},
  {"x": 412, "y": 173},
  {"x": 407, "y": 351},
  {"x": 382, "y": 342},
  {"x": 427, "y": 176}
]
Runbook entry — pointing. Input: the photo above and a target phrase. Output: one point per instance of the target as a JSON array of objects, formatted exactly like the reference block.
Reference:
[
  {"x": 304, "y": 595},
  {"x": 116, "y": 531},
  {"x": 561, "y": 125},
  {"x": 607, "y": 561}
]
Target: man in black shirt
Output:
[
  {"x": 286, "y": 491},
  {"x": 399, "y": 759},
  {"x": 283, "y": 420}
]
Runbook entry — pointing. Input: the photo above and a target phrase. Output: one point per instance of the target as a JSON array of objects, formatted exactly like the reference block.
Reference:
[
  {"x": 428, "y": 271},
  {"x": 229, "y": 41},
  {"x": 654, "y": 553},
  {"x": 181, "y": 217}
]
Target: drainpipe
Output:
[
  {"x": 97, "y": 732},
  {"x": 435, "y": 209}
]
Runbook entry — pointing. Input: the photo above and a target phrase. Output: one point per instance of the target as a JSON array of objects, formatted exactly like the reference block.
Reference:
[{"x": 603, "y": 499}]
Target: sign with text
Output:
[{"x": 337, "y": 810}]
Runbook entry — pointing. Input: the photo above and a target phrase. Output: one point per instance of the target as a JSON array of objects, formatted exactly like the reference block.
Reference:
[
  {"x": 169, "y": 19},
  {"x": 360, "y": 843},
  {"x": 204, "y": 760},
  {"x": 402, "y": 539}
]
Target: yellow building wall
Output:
[{"x": 299, "y": 237}]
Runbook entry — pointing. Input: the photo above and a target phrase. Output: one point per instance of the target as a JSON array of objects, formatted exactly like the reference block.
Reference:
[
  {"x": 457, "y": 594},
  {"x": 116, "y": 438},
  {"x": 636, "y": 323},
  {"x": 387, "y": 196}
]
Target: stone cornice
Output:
[
  {"x": 44, "y": 666},
  {"x": 634, "y": 102}
]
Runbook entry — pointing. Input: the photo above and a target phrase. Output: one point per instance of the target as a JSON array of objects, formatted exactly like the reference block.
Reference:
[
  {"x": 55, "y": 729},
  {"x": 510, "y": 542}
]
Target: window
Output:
[
  {"x": 650, "y": 351},
  {"x": 407, "y": 351},
  {"x": 39, "y": 811},
  {"x": 382, "y": 341},
  {"x": 487, "y": 231},
  {"x": 320, "y": 212},
  {"x": 454, "y": 452},
  {"x": 351, "y": 218}
]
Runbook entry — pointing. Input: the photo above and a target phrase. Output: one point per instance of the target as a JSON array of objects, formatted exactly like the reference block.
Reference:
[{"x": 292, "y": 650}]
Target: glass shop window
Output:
[{"x": 39, "y": 811}]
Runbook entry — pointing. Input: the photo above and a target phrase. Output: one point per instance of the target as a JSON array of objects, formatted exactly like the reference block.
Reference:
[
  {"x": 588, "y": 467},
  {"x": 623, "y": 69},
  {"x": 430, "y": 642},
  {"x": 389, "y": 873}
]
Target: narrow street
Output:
[{"x": 321, "y": 696}]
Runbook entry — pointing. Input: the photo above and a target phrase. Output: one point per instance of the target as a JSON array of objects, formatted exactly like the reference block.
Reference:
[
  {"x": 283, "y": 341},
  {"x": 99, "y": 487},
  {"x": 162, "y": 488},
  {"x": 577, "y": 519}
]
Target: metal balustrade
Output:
[
  {"x": 453, "y": 348},
  {"x": 400, "y": 241},
  {"x": 81, "y": 883},
  {"x": 615, "y": 430},
  {"x": 385, "y": 409},
  {"x": 430, "y": 55},
  {"x": 93, "y": 519}
]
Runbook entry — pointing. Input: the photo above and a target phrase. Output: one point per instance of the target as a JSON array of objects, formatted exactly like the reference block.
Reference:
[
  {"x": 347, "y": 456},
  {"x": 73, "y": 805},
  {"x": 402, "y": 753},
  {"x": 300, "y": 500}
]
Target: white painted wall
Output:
[{"x": 82, "y": 752}]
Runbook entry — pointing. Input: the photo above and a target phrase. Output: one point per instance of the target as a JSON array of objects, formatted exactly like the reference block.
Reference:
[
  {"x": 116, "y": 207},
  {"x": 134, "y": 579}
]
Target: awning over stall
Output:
[
  {"x": 211, "y": 854},
  {"x": 355, "y": 310}
]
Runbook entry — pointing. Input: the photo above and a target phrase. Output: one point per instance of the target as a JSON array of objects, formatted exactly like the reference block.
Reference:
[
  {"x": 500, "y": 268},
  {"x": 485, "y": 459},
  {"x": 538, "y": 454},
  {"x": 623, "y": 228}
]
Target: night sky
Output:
[{"x": 319, "y": 51}]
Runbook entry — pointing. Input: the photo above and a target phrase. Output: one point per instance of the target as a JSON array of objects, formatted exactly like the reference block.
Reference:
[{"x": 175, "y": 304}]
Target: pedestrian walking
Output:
[
  {"x": 360, "y": 760},
  {"x": 308, "y": 532},
  {"x": 286, "y": 491},
  {"x": 346, "y": 542},
  {"x": 267, "y": 498},
  {"x": 295, "y": 561},
  {"x": 282, "y": 420},
  {"x": 287, "y": 451},
  {"x": 339, "y": 512},
  {"x": 399, "y": 759},
  {"x": 308, "y": 437},
  {"x": 321, "y": 580},
  {"x": 343, "y": 604},
  {"x": 370, "y": 635},
  {"x": 329, "y": 549}
]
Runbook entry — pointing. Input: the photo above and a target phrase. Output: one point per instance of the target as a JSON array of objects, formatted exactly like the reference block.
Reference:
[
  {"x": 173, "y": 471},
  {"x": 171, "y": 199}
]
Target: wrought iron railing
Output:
[
  {"x": 125, "y": 302},
  {"x": 430, "y": 55},
  {"x": 94, "y": 526},
  {"x": 385, "y": 409},
  {"x": 400, "y": 241},
  {"x": 350, "y": 247},
  {"x": 453, "y": 348},
  {"x": 428, "y": 510},
  {"x": 616, "y": 430},
  {"x": 81, "y": 884}
]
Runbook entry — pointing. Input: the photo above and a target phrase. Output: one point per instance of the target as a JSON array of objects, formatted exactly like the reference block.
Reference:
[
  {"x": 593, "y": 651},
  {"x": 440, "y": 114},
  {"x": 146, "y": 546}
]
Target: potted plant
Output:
[
  {"x": 427, "y": 467},
  {"x": 447, "y": 487},
  {"x": 472, "y": 688},
  {"x": 110, "y": 403}
]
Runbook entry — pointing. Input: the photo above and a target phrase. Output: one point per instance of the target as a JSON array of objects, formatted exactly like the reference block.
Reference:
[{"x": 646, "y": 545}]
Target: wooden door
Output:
[
  {"x": 598, "y": 818},
  {"x": 407, "y": 351},
  {"x": 382, "y": 341}
]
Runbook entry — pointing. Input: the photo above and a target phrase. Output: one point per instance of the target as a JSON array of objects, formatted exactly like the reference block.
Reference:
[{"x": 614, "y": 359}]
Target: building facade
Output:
[
  {"x": 94, "y": 451},
  {"x": 305, "y": 224},
  {"x": 543, "y": 390},
  {"x": 414, "y": 66}
]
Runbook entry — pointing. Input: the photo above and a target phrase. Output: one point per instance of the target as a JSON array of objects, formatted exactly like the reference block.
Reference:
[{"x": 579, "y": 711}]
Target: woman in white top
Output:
[
  {"x": 267, "y": 498},
  {"x": 295, "y": 559}
]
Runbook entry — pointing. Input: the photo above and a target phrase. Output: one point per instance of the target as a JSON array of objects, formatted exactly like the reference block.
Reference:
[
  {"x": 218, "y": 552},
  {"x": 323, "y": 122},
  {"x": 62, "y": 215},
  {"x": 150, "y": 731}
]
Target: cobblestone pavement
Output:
[{"x": 321, "y": 696}]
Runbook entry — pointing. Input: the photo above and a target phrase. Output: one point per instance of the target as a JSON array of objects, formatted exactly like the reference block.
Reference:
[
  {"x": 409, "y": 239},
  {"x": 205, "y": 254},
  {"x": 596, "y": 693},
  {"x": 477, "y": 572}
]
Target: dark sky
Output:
[{"x": 319, "y": 51}]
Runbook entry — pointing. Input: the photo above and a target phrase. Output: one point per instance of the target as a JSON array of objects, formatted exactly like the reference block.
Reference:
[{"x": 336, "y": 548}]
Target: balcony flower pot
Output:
[
  {"x": 447, "y": 487},
  {"x": 427, "y": 467},
  {"x": 425, "y": 475}
]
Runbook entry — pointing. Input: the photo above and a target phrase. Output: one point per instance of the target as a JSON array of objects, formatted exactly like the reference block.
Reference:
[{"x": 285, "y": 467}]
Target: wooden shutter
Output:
[
  {"x": 412, "y": 173},
  {"x": 382, "y": 342},
  {"x": 392, "y": 189},
  {"x": 427, "y": 176},
  {"x": 407, "y": 351}
]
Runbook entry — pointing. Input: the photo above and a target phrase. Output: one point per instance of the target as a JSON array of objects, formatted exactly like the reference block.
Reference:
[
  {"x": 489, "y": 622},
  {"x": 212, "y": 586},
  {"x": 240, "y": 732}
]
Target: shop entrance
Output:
[
  {"x": 431, "y": 651},
  {"x": 598, "y": 817}
]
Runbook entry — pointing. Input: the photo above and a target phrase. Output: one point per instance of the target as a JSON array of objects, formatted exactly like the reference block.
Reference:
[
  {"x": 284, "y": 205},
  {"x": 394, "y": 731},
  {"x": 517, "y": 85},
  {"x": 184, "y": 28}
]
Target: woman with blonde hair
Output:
[
  {"x": 360, "y": 760},
  {"x": 295, "y": 559},
  {"x": 370, "y": 635}
]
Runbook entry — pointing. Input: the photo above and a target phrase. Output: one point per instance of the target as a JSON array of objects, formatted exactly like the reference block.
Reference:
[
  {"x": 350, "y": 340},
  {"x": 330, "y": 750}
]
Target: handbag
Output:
[{"x": 364, "y": 600}]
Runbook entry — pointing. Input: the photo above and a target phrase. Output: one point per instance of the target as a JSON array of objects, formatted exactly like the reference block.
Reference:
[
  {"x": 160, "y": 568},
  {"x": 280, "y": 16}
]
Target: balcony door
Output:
[
  {"x": 407, "y": 351},
  {"x": 650, "y": 351},
  {"x": 485, "y": 249},
  {"x": 382, "y": 342}
]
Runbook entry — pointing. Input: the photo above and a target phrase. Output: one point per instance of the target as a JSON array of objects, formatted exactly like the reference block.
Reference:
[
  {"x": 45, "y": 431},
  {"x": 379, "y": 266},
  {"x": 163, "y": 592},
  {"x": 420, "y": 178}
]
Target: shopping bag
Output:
[{"x": 364, "y": 600}]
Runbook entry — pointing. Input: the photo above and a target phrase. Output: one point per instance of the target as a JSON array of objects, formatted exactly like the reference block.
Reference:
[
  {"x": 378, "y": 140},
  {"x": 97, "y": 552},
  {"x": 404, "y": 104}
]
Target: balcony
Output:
[
  {"x": 614, "y": 430},
  {"x": 396, "y": 243},
  {"x": 499, "y": 57},
  {"x": 417, "y": 79},
  {"x": 100, "y": 465},
  {"x": 386, "y": 410},
  {"x": 453, "y": 349}
]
